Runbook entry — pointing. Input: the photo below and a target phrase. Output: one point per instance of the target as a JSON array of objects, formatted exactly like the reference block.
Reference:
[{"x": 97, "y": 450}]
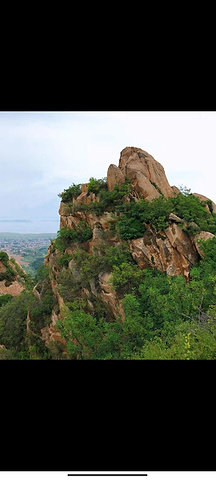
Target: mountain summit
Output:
[
  {"x": 146, "y": 174},
  {"x": 131, "y": 273}
]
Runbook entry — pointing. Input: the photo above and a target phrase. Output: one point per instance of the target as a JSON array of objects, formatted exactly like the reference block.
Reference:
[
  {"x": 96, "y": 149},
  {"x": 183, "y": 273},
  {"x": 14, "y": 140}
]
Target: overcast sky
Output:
[{"x": 41, "y": 153}]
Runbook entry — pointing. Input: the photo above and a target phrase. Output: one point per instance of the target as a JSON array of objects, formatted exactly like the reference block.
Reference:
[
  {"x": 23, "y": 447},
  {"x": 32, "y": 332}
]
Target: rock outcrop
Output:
[
  {"x": 206, "y": 199},
  {"x": 114, "y": 176},
  {"x": 146, "y": 174},
  {"x": 172, "y": 251}
]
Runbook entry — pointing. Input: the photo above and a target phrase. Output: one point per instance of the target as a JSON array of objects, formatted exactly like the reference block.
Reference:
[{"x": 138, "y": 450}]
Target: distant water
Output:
[{"x": 30, "y": 227}]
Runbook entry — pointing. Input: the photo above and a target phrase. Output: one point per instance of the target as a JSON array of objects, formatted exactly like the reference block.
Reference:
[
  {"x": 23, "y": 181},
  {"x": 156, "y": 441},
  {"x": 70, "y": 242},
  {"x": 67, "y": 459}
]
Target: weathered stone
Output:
[
  {"x": 174, "y": 253},
  {"x": 114, "y": 176},
  {"x": 202, "y": 236},
  {"x": 14, "y": 289},
  {"x": 106, "y": 219},
  {"x": 108, "y": 295},
  {"x": 64, "y": 209},
  {"x": 202, "y": 198},
  {"x": 97, "y": 233},
  {"x": 175, "y": 190},
  {"x": 144, "y": 187},
  {"x": 84, "y": 187},
  {"x": 133, "y": 160},
  {"x": 175, "y": 218}
]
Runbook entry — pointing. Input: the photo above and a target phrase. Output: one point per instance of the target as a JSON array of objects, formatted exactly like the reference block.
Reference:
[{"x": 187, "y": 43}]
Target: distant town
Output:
[{"x": 28, "y": 250}]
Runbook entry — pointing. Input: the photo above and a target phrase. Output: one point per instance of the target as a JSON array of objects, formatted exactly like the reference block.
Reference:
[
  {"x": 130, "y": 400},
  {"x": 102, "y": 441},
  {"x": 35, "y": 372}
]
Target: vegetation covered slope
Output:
[
  {"x": 158, "y": 316},
  {"x": 93, "y": 299}
]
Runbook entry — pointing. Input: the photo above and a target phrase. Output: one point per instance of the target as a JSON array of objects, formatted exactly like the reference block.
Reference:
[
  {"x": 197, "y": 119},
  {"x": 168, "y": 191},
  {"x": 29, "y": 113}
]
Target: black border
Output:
[{"x": 108, "y": 416}]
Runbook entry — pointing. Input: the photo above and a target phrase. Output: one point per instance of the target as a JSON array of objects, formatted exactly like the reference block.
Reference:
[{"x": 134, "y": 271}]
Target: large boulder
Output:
[
  {"x": 146, "y": 174},
  {"x": 134, "y": 159},
  {"x": 114, "y": 176},
  {"x": 203, "y": 198}
]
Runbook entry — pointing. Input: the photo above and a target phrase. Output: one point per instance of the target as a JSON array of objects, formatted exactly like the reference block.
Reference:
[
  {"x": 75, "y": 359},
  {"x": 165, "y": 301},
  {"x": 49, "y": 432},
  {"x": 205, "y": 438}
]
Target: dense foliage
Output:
[
  {"x": 134, "y": 214},
  {"x": 189, "y": 208},
  {"x": 71, "y": 192},
  {"x": 65, "y": 236},
  {"x": 8, "y": 274},
  {"x": 20, "y": 342},
  {"x": 165, "y": 317}
]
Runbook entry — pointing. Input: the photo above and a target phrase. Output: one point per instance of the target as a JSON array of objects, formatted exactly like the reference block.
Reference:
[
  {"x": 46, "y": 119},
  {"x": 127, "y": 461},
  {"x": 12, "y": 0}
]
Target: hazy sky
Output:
[{"x": 41, "y": 153}]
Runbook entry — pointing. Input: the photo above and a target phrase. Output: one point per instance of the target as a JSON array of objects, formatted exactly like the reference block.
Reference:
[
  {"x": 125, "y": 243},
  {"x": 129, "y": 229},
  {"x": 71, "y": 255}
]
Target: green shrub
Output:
[
  {"x": 64, "y": 260},
  {"x": 9, "y": 276},
  {"x": 95, "y": 185},
  {"x": 83, "y": 232},
  {"x": 65, "y": 236},
  {"x": 4, "y": 257},
  {"x": 5, "y": 299},
  {"x": 89, "y": 265},
  {"x": 117, "y": 255},
  {"x": 13, "y": 321},
  {"x": 71, "y": 192},
  {"x": 125, "y": 277},
  {"x": 131, "y": 223},
  {"x": 88, "y": 337}
]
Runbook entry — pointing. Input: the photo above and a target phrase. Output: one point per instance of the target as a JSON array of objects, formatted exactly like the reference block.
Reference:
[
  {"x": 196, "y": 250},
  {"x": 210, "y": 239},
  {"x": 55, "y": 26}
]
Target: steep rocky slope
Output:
[{"x": 82, "y": 259}]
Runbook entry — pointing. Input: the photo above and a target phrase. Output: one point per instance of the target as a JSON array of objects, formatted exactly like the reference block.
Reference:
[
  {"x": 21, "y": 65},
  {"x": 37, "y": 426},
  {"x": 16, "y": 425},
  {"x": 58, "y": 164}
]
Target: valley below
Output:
[{"x": 28, "y": 249}]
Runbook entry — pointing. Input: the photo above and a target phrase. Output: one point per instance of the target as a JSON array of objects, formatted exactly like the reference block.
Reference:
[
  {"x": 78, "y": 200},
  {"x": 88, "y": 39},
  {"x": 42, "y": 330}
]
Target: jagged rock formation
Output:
[
  {"x": 173, "y": 251},
  {"x": 145, "y": 172},
  {"x": 147, "y": 175}
]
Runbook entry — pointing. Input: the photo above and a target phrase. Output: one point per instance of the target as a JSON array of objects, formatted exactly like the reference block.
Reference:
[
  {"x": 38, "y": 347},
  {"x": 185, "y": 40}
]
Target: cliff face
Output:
[{"x": 172, "y": 250}]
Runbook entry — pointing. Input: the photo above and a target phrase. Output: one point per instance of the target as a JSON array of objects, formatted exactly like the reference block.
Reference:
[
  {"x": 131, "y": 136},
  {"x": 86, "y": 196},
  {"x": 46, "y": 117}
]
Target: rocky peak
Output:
[{"x": 147, "y": 174}]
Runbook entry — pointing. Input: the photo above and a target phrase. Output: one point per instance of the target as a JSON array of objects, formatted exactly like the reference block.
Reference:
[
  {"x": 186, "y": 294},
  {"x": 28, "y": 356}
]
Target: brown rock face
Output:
[
  {"x": 144, "y": 187},
  {"x": 14, "y": 289},
  {"x": 114, "y": 176},
  {"x": 147, "y": 175},
  {"x": 204, "y": 199},
  {"x": 172, "y": 251}
]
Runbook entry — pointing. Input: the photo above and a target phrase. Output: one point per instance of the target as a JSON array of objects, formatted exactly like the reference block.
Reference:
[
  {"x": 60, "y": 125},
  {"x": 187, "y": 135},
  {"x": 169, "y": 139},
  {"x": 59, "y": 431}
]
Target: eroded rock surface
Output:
[
  {"x": 147, "y": 174},
  {"x": 171, "y": 251}
]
